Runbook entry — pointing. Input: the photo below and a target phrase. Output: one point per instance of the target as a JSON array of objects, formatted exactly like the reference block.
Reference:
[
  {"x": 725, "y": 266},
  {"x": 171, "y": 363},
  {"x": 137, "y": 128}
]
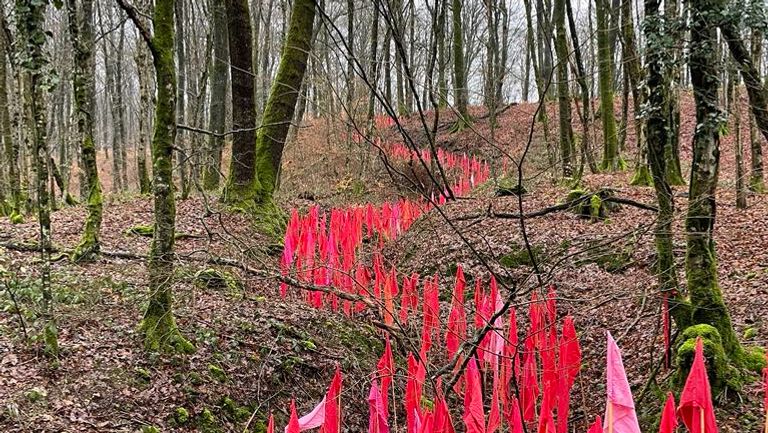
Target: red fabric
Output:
[
  {"x": 386, "y": 371},
  {"x": 570, "y": 364},
  {"x": 377, "y": 417},
  {"x": 271, "y": 424},
  {"x": 293, "y": 422},
  {"x": 597, "y": 427},
  {"x": 474, "y": 415},
  {"x": 530, "y": 386},
  {"x": 390, "y": 290},
  {"x": 668, "y": 417},
  {"x": 431, "y": 313},
  {"x": 494, "y": 416},
  {"x": 512, "y": 415},
  {"x": 332, "y": 422},
  {"x": 413, "y": 391},
  {"x": 697, "y": 396}
]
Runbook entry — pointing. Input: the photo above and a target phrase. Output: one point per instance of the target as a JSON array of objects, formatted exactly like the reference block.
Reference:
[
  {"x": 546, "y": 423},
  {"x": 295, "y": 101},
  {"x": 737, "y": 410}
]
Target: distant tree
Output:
[
  {"x": 159, "y": 325},
  {"x": 563, "y": 92},
  {"x": 10, "y": 146},
  {"x": 217, "y": 112},
  {"x": 459, "y": 74},
  {"x": 611, "y": 158},
  {"x": 31, "y": 25},
  {"x": 84, "y": 89}
]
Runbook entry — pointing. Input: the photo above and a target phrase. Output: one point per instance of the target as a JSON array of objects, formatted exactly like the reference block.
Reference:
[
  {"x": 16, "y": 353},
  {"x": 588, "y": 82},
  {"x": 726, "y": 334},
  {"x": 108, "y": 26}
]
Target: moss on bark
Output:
[{"x": 281, "y": 104}]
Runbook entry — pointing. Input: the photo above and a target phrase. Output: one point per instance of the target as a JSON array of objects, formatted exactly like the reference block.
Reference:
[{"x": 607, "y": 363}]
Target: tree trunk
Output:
[
  {"x": 159, "y": 325},
  {"x": 700, "y": 259},
  {"x": 459, "y": 77},
  {"x": 735, "y": 109},
  {"x": 218, "y": 105},
  {"x": 10, "y": 146},
  {"x": 35, "y": 65},
  {"x": 183, "y": 153},
  {"x": 243, "y": 184},
  {"x": 84, "y": 89},
  {"x": 611, "y": 158},
  {"x": 674, "y": 31},
  {"x": 282, "y": 99},
  {"x": 563, "y": 92},
  {"x": 586, "y": 100},
  {"x": 756, "y": 182}
]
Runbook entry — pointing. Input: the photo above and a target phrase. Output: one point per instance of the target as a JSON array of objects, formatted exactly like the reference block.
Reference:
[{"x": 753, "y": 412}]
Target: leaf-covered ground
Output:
[{"x": 255, "y": 351}]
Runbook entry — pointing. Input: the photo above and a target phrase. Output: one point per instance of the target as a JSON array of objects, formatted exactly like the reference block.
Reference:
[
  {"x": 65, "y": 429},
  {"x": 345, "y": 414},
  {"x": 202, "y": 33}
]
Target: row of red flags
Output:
[{"x": 695, "y": 410}]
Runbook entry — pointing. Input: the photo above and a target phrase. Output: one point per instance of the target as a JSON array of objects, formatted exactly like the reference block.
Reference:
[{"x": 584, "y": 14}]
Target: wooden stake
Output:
[
  {"x": 610, "y": 417},
  {"x": 766, "y": 420},
  {"x": 701, "y": 418}
]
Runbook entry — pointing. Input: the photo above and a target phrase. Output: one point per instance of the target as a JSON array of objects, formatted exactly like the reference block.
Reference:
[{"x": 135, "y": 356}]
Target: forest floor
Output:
[{"x": 255, "y": 350}]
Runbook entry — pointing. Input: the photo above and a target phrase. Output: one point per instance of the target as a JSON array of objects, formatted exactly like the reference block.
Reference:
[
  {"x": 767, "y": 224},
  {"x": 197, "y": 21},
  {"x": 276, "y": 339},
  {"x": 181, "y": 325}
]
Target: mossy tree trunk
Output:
[
  {"x": 282, "y": 98},
  {"x": 83, "y": 86},
  {"x": 219, "y": 81},
  {"x": 10, "y": 146},
  {"x": 182, "y": 142},
  {"x": 159, "y": 325},
  {"x": 563, "y": 92},
  {"x": 611, "y": 158},
  {"x": 701, "y": 257},
  {"x": 459, "y": 73},
  {"x": 674, "y": 32},
  {"x": 142, "y": 68},
  {"x": 756, "y": 181},
  {"x": 634, "y": 72},
  {"x": 243, "y": 183},
  {"x": 586, "y": 100},
  {"x": 656, "y": 129},
  {"x": 35, "y": 64}
]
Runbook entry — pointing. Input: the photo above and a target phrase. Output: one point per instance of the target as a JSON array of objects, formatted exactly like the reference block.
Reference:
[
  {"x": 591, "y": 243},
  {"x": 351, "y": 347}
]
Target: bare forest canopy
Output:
[{"x": 393, "y": 215}]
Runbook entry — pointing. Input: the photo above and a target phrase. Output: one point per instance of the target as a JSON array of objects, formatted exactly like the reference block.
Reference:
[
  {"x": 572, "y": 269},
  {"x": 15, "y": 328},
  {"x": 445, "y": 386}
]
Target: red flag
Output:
[
  {"x": 386, "y": 370},
  {"x": 570, "y": 363},
  {"x": 512, "y": 415},
  {"x": 597, "y": 427},
  {"x": 697, "y": 397},
  {"x": 443, "y": 423},
  {"x": 530, "y": 385},
  {"x": 390, "y": 290},
  {"x": 332, "y": 422},
  {"x": 293, "y": 423},
  {"x": 474, "y": 416},
  {"x": 377, "y": 418},
  {"x": 668, "y": 417},
  {"x": 413, "y": 391},
  {"x": 431, "y": 313},
  {"x": 271, "y": 424},
  {"x": 494, "y": 417}
]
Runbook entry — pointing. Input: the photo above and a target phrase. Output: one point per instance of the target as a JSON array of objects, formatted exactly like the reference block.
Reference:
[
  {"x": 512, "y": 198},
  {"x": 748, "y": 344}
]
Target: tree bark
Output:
[
  {"x": 217, "y": 112},
  {"x": 611, "y": 158},
  {"x": 84, "y": 89},
  {"x": 243, "y": 184},
  {"x": 459, "y": 77},
  {"x": 282, "y": 99},
  {"x": 563, "y": 91}
]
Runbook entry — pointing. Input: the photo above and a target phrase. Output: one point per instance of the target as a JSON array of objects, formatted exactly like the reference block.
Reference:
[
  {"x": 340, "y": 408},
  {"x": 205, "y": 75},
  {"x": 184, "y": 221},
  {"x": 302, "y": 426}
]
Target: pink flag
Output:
[
  {"x": 313, "y": 419},
  {"x": 413, "y": 392},
  {"x": 530, "y": 382},
  {"x": 494, "y": 416},
  {"x": 570, "y": 363},
  {"x": 271, "y": 424},
  {"x": 512, "y": 415},
  {"x": 377, "y": 419},
  {"x": 620, "y": 408},
  {"x": 386, "y": 370}
]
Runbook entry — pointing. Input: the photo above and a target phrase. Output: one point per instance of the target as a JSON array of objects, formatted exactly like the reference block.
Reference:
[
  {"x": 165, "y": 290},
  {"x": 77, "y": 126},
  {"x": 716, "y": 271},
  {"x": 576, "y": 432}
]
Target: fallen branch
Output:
[{"x": 490, "y": 213}]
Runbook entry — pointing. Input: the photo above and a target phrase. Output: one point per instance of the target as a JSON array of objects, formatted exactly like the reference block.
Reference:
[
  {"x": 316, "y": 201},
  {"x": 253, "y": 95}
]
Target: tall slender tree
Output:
[
  {"x": 460, "y": 90},
  {"x": 83, "y": 86},
  {"x": 219, "y": 81},
  {"x": 10, "y": 146},
  {"x": 611, "y": 158},
  {"x": 563, "y": 91},
  {"x": 159, "y": 325}
]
